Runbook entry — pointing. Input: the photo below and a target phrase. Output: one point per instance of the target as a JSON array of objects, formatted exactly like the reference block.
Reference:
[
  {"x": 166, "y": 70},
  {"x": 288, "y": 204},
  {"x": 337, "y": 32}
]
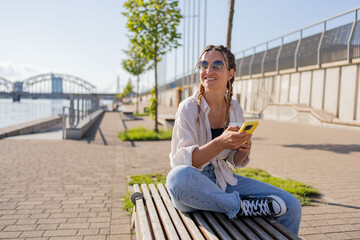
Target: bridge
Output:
[
  {"x": 316, "y": 73},
  {"x": 50, "y": 85}
]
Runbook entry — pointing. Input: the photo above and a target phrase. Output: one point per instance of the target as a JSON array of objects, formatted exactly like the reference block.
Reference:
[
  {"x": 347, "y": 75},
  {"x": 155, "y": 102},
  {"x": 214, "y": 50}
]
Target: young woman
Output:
[{"x": 204, "y": 141}]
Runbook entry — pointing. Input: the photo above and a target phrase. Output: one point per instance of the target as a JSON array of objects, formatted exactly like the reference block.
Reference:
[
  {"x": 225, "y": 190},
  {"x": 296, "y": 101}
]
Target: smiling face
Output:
[{"x": 215, "y": 79}]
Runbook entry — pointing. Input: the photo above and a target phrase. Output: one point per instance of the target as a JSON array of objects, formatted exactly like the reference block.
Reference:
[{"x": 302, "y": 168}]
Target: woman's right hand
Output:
[{"x": 231, "y": 138}]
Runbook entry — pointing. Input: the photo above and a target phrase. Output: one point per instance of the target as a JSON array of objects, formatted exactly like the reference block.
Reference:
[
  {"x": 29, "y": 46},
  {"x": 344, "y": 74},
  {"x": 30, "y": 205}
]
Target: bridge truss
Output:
[
  {"x": 5, "y": 85},
  {"x": 44, "y": 83}
]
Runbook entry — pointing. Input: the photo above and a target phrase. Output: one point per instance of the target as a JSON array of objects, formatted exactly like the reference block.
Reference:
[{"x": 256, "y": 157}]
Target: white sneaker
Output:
[{"x": 268, "y": 206}]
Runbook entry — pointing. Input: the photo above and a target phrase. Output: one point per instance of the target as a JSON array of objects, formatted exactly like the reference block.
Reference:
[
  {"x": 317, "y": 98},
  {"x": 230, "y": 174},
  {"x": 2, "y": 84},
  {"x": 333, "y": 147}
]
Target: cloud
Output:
[{"x": 20, "y": 72}]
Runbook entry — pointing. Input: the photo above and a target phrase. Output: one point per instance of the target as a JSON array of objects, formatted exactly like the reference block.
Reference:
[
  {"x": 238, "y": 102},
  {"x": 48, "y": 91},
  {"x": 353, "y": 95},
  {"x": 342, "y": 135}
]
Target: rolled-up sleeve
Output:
[
  {"x": 183, "y": 141},
  {"x": 230, "y": 158}
]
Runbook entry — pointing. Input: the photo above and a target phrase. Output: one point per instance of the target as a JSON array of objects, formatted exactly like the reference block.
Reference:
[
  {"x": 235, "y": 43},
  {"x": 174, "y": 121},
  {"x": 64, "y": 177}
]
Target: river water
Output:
[{"x": 12, "y": 113}]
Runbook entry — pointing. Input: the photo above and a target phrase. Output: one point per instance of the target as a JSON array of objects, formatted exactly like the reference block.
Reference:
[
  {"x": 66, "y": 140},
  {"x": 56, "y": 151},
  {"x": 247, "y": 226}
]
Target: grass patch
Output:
[
  {"x": 128, "y": 205},
  {"x": 148, "y": 179},
  {"x": 300, "y": 190},
  {"x": 140, "y": 179},
  {"x": 143, "y": 134},
  {"x": 141, "y": 114}
]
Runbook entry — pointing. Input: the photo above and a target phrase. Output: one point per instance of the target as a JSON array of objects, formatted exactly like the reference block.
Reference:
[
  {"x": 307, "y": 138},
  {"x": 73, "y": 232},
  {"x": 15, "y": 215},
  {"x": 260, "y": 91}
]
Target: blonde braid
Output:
[
  {"x": 199, "y": 96},
  {"x": 229, "y": 94}
]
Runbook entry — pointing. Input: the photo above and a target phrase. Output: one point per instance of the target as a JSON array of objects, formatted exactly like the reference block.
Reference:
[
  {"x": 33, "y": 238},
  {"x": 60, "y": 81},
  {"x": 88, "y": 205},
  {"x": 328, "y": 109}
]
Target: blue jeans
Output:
[{"x": 191, "y": 190}]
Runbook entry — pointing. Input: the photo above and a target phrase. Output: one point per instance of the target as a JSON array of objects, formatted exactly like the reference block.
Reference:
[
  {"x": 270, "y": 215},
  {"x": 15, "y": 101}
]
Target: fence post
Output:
[
  {"x": 63, "y": 124},
  {"x": 319, "y": 46},
  {"x": 263, "y": 59},
  {"x": 71, "y": 112},
  {"x": 278, "y": 55},
  {"x": 296, "y": 52},
  {"x": 78, "y": 110},
  {"x": 350, "y": 38}
]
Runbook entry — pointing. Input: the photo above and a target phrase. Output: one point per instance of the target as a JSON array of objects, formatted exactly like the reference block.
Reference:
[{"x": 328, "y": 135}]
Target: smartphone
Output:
[{"x": 249, "y": 127}]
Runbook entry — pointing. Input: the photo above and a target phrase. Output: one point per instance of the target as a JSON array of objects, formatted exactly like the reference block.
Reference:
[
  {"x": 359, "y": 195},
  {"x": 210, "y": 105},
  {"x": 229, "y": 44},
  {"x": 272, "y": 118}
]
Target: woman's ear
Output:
[{"x": 231, "y": 73}]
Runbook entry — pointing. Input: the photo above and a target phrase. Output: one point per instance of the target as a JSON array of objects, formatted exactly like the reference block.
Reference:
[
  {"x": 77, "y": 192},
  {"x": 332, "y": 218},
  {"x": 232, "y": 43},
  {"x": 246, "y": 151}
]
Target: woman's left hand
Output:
[{"x": 246, "y": 147}]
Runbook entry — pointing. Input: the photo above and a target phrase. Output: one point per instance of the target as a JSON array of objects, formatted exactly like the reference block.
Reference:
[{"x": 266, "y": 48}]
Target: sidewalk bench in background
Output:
[
  {"x": 129, "y": 115},
  {"x": 154, "y": 217},
  {"x": 167, "y": 120}
]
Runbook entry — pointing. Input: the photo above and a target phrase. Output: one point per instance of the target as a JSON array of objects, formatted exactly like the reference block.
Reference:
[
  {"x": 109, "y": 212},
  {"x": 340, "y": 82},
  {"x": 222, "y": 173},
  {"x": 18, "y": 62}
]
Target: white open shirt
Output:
[{"x": 189, "y": 135}]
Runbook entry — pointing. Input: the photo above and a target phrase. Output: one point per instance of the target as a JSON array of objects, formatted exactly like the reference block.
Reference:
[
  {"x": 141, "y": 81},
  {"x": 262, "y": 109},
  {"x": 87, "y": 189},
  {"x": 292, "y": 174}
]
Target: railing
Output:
[
  {"x": 85, "y": 105},
  {"x": 330, "y": 45},
  {"x": 325, "y": 46}
]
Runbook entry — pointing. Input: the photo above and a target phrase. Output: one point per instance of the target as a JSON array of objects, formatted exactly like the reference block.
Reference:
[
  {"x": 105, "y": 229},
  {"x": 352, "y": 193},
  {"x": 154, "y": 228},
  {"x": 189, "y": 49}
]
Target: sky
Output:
[{"x": 86, "y": 38}]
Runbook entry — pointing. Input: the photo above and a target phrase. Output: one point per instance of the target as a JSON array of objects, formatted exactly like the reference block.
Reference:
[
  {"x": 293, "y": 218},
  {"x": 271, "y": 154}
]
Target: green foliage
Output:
[
  {"x": 128, "y": 89},
  {"x": 153, "y": 27},
  {"x": 119, "y": 96},
  {"x": 142, "y": 134},
  {"x": 136, "y": 63},
  {"x": 301, "y": 191},
  {"x": 148, "y": 179},
  {"x": 128, "y": 205},
  {"x": 152, "y": 24},
  {"x": 141, "y": 114},
  {"x": 152, "y": 104},
  {"x": 140, "y": 179}
]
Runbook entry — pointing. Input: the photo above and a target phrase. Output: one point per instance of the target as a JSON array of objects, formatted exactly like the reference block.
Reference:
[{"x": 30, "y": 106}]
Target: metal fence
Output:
[
  {"x": 81, "y": 106},
  {"x": 329, "y": 45}
]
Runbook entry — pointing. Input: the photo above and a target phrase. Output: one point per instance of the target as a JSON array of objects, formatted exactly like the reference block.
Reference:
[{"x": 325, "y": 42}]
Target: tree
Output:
[
  {"x": 153, "y": 24},
  {"x": 230, "y": 22},
  {"x": 128, "y": 88},
  {"x": 135, "y": 65}
]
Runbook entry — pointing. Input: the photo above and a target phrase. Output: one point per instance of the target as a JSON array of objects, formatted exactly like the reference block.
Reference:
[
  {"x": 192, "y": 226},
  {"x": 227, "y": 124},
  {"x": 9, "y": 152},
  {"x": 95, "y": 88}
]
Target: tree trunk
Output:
[
  {"x": 230, "y": 21},
  {"x": 137, "y": 95},
  {"x": 156, "y": 95}
]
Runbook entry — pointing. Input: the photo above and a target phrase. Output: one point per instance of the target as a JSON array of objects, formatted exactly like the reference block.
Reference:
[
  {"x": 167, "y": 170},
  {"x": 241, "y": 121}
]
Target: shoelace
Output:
[{"x": 258, "y": 207}]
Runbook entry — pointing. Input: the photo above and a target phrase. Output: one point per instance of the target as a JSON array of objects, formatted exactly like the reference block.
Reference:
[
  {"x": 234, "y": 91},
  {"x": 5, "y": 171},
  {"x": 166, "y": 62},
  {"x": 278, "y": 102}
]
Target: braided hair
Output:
[{"x": 230, "y": 63}]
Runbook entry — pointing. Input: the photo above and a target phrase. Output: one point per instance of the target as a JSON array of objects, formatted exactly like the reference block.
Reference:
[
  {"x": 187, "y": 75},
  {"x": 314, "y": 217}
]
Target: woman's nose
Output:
[{"x": 209, "y": 69}]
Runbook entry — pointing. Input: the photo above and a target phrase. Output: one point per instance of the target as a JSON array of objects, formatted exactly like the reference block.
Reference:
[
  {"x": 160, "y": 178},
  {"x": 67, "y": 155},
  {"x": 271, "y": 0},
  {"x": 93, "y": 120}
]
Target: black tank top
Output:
[{"x": 215, "y": 132}]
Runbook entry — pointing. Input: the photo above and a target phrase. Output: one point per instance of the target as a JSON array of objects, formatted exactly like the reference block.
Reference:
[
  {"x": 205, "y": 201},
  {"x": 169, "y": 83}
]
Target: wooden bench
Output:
[
  {"x": 154, "y": 217},
  {"x": 167, "y": 120},
  {"x": 129, "y": 115}
]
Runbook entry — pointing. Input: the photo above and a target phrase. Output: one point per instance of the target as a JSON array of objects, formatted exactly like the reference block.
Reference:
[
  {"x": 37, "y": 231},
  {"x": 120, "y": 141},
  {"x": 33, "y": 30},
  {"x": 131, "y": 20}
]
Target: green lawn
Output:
[
  {"x": 300, "y": 190},
  {"x": 143, "y": 134}
]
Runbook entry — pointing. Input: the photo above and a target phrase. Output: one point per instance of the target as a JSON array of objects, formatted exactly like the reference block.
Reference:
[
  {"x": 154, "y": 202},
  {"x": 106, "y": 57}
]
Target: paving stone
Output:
[
  {"x": 60, "y": 233},
  {"x": 32, "y": 234},
  {"x": 7, "y": 235}
]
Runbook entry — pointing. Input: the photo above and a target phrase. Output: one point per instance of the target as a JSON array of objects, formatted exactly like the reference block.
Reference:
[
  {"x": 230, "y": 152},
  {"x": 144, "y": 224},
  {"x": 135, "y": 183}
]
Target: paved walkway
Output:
[{"x": 56, "y": 189}]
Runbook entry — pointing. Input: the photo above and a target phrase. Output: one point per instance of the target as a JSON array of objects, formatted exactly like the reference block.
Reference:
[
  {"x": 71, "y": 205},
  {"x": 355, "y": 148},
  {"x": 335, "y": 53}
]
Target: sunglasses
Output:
[{"x": 216, "y": 66}]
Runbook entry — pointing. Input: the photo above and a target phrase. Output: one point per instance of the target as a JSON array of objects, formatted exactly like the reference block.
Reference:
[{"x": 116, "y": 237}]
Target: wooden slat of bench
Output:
[
  {"x": 282, "y": 229},
  {"x": 221, "y": 232},
  {"x": 269, "y": 229},
  {"x": 228, "y": 226},
  {"x": 142, "y": 224},
  {"x": 191, "y": 226},
  {"x": 154, "y": 219},
  {"x": 255, "y": 228},
  {"x": 173, "y": 213},
  {"x": 204, "y": 227},
  {"x": 165, "y": 218},
  {"x": 244, "y": 229}
]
